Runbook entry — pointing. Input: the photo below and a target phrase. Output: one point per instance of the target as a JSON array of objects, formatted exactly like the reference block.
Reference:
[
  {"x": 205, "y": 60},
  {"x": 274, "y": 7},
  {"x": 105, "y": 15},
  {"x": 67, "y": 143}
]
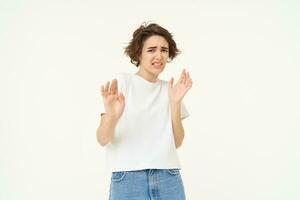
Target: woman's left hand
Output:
[{"x": 177, "y": 92}]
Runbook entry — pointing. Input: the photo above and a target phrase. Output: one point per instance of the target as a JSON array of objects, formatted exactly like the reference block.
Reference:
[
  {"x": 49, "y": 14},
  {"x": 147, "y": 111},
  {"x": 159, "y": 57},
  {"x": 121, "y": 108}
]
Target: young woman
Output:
[{"x": 141, "y": 127}]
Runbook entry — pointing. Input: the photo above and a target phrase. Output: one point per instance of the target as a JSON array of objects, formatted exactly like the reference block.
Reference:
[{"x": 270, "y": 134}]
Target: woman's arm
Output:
[
  {"x": 114, "y": 103},
  {"x": 105, "y": 131},
  {"x": 177, "y": 127},
  {"x": 176, "y": 94}
]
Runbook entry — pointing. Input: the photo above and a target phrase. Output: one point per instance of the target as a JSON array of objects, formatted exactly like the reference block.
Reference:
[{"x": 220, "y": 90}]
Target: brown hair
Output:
[{"x": 135, "y": 46}]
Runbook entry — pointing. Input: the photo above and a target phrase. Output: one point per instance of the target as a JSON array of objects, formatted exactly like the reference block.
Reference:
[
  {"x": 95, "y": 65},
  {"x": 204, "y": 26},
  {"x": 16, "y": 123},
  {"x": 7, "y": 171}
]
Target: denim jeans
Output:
[{"x": 147, "y": 184}]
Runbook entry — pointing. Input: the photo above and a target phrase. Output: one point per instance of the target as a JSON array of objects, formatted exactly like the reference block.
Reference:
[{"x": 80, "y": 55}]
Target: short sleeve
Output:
[{"x": 184, "y": 112}]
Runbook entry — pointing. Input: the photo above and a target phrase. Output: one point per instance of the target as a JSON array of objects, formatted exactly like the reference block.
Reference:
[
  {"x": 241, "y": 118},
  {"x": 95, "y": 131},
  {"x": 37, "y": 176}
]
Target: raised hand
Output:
[
  {"x": 114, "y": 102},
  {"x": 177, "y": 92}
]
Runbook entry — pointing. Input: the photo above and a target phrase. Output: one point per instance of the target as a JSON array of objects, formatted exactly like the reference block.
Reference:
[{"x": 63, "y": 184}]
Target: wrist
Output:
[
  {"x": 110, "y": 118},
  {"x": 175, "y": 103},
  {"x": 175, "y": 108}
]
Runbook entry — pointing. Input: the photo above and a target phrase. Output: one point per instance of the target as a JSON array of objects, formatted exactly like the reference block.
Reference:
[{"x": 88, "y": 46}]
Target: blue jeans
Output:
[{"x": 147, "y": 184}]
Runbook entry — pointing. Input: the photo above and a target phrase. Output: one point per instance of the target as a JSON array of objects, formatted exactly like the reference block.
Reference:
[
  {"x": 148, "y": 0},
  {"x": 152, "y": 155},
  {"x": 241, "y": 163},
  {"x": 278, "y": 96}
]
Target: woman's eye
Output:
[{"x": 152, "y": 50}]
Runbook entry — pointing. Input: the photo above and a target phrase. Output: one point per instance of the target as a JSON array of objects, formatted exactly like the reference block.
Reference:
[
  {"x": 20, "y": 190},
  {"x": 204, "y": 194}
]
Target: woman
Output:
[{"x": 141, "y": 127}]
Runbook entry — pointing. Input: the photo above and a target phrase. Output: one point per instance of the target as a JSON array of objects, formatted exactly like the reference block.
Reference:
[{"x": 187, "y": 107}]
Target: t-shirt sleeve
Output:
[
  {"x": 184, "y": 112},
  {"x": 120, "y": 79}
]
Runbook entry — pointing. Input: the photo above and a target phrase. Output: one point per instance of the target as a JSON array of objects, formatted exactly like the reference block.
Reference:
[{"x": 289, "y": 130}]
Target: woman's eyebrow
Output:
[{"x": 156, "y": 47}]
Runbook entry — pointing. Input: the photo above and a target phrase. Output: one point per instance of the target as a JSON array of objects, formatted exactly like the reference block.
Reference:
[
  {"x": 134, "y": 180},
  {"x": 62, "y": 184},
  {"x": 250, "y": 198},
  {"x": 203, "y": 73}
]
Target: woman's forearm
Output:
[
  {"x": 177, "y": 127},
  {"x": 105, "y": 131}
]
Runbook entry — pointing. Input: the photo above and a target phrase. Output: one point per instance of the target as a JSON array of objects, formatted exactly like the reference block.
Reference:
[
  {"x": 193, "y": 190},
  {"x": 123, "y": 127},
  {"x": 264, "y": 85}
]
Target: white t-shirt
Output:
[{"x": 143, "y": 137}]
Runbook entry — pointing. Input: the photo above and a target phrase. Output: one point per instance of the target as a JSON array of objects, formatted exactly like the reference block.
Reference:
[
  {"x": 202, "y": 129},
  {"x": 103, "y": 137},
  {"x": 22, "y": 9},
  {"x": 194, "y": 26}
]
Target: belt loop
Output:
[{"x": 151, "y": 172}]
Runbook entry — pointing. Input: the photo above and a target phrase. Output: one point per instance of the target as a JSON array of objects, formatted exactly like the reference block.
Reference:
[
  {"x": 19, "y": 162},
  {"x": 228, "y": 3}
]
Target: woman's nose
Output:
[{"x": 158, "y": 55}]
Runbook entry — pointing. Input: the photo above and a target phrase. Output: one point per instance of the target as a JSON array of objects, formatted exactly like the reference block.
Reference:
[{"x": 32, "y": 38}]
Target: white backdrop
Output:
[{"x": 243, "y": 135}]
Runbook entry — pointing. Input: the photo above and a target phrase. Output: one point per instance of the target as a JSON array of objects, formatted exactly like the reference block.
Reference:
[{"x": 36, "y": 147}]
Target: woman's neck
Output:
[{"x": 146, "y": 75}]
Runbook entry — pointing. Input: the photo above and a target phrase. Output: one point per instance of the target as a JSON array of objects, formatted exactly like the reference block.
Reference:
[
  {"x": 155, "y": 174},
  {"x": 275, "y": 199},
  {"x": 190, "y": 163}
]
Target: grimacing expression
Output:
[{"x": 155, "y": 54}]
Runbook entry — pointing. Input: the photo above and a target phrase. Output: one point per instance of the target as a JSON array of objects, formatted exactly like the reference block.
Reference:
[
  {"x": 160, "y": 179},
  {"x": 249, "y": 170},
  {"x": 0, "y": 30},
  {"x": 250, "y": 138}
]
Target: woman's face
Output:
[{"x": 155, "y": 54}]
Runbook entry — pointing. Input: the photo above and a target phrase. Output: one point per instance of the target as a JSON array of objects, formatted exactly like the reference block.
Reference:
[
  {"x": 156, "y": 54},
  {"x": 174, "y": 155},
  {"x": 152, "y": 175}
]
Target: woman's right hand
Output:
[{"x": 114, "y": 102}]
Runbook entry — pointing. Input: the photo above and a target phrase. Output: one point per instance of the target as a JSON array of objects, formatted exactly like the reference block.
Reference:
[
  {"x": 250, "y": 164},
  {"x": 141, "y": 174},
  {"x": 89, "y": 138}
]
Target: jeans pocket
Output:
[
  {"x": 173, "y": 172},
  {"x": 118, "y": 176}
]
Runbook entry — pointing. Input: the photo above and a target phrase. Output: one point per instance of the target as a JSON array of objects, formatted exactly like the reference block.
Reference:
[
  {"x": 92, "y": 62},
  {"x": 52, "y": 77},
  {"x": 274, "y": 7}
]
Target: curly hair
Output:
[{"x": 135, "y": 46}]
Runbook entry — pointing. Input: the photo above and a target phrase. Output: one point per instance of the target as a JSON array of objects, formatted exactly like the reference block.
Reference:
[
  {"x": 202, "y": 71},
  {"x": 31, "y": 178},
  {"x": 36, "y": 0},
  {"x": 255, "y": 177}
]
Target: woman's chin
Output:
[{"x": 157, "y": 71}]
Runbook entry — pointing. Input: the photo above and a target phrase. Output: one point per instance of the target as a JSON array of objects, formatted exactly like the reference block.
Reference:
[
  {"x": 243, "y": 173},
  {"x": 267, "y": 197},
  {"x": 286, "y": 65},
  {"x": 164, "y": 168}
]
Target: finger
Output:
[
  {"x": 184, "y": 76},
  {"x": 181, "y": 80},
  {"x": 121, "y": 98},
  {"x": 183, "y": 73},
  {"x": 171, "y": 82},
  {"x": 188, "y": 75},
  {"x": 117, "y": 86},
  {"x": 189, "y": 80},
  {"x": 113, "y": 87},
  {"x": 106, "y": 87},
  {"x": 189, "y": 83},
  {"x": 102, "y": 90}
]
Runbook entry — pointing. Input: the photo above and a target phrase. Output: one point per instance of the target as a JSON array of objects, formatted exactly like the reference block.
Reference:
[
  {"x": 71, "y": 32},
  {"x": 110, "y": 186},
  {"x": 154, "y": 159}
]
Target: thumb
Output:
[
  {"x": 121, "y": 97},
  {"x": 171, "y": 82}
]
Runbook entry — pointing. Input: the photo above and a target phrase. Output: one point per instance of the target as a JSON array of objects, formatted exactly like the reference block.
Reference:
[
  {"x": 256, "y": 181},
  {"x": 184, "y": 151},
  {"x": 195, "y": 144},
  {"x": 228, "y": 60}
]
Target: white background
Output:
[{"x": 243, "y": 135}]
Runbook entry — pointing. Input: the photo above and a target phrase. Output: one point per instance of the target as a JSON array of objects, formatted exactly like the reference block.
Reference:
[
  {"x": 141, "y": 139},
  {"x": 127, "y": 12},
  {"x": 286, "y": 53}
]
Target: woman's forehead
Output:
[{"x": 156, "y": 41}]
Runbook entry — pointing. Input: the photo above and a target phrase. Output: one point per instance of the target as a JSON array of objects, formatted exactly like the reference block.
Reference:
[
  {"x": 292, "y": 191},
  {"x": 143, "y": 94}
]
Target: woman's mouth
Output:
[{"x": 157, "y": 65}]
